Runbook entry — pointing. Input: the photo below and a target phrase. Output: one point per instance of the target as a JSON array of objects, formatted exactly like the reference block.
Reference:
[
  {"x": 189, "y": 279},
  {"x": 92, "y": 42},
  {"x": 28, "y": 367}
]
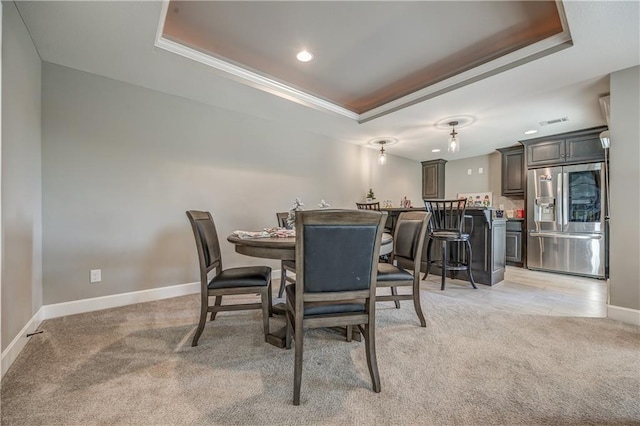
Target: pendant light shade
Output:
[
  {"x": 382, "y": 157},
  {"x": 454, "y": 142},
  {"x": 382, "y": 144}
]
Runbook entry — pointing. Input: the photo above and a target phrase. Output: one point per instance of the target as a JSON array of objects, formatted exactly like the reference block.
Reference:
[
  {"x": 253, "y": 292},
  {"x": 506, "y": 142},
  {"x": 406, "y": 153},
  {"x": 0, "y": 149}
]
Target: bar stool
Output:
[{"x": 446, "y": 226}]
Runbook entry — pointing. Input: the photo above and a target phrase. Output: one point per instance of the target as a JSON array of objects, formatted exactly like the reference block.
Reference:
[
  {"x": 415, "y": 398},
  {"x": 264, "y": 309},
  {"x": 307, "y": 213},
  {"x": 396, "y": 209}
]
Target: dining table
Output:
[{"x": 284, "y": 248}]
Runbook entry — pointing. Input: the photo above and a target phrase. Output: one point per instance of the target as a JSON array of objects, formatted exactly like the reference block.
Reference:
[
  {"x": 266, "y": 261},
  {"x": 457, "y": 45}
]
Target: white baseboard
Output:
[
  {"x": 56, "y": 310},
  {"x": 117, "y": 300},
  {"x": 626, "y": 315},
  {"x": 10, "y": 354}
]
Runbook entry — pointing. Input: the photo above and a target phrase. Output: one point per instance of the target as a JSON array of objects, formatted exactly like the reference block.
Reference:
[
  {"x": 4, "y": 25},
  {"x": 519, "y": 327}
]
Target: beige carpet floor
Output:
[{"x": 469, "y": 366}]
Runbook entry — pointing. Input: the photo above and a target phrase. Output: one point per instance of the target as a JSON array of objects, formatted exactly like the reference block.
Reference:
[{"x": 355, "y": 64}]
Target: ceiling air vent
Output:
[{"x": 557, "y": 120}]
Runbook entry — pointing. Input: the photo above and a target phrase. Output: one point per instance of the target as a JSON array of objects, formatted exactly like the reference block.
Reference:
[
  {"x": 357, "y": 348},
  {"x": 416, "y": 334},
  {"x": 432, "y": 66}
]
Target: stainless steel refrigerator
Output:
[{"x": 566, "y": 219}]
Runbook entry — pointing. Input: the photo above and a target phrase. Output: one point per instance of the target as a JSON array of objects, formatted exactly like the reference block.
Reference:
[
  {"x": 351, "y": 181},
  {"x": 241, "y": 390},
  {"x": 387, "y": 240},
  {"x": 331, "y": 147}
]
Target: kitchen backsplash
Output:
[{"x": 509, "y": 203}]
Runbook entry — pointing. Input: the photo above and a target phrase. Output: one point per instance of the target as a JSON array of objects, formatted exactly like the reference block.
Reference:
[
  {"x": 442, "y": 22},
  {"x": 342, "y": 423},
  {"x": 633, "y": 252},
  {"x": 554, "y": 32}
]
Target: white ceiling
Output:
[{"x": 116, "y": 40}]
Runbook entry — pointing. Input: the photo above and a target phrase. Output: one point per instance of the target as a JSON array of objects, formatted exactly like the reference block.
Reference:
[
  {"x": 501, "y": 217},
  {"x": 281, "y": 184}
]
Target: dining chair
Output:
[
  {"x": 368, "y": 206},
  {"x": 232, "y": 281},
  {"x": 408, "y": 242},
  {"x": 446, "y": 226},
  {"x": 285, "y": 265},
  {"x": 336, "y": 259}
]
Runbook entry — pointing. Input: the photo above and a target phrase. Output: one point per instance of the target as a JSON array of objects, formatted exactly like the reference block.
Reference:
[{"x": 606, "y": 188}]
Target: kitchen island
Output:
[{"x": 488, "y": 241}]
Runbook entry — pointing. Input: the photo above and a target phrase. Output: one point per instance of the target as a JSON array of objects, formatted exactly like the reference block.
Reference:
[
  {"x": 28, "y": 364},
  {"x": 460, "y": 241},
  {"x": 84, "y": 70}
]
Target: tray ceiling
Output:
[{"x": 374, "y": 57}]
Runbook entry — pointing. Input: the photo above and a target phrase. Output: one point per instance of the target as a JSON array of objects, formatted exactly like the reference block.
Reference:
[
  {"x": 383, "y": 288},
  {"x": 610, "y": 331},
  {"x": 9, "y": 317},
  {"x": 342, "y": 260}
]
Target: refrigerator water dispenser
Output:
[{"x": 545, "y": 209}]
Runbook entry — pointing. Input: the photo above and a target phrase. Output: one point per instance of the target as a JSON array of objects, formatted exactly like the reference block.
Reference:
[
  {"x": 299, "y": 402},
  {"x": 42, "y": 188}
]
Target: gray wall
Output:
[
  {"x": 625, "y": 189},
  {"x": 457, "y": 180},
  {"x": 121, "y": 164},
  {"x": 21, "y": 178}
]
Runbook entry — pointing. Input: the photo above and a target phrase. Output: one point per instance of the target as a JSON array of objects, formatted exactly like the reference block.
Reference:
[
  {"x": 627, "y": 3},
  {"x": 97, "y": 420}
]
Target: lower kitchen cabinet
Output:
[{"x": 514, "y": 242}]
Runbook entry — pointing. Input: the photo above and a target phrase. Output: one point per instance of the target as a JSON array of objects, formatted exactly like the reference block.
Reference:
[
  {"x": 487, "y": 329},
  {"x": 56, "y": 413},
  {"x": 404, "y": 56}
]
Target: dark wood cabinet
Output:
[
  {"x": 545, "y": 152},
  {"x": 513, "y": 171},
  {"x": 433, "y": 179},
  {"x": 567, "y": 148},
  {"x": 584, "y": 149},
  {"x": 514, "y": 246}
]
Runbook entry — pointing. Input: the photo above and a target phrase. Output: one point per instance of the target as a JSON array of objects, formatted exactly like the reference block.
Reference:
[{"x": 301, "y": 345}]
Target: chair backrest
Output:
[
  {"x": 337, "y": 252},
  {"x": 446, "y": 215},
  {"x": 282, "y": 219},
  {"x": 368, "y": 206},
  {"x": 408, "y": 239},
  {"x": 206, "y": 236}
]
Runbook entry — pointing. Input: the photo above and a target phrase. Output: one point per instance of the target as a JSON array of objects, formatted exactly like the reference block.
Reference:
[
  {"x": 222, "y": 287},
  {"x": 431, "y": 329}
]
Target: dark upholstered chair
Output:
[
  {"x": 368, "y": 206},
  {"x": 408, "y": 241},
  {"x": 243, "y": 280},
  {"x": 337, "y": 260},
  {"x": 447, "y": 226},
  {"x": 285, "y": 265}
]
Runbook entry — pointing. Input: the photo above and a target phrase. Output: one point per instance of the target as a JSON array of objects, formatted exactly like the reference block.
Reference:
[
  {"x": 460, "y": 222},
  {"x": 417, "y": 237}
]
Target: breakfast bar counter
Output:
[{"x": 488, "y": 241}]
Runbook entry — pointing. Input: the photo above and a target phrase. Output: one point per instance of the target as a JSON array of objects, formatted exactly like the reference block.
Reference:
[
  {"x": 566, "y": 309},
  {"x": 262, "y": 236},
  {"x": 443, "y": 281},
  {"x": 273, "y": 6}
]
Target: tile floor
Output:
[{"x": 532, "y": 292}]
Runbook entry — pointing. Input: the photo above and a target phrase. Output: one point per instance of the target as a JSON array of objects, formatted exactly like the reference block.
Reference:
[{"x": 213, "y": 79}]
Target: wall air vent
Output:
[{"x": 555, "y": 121}]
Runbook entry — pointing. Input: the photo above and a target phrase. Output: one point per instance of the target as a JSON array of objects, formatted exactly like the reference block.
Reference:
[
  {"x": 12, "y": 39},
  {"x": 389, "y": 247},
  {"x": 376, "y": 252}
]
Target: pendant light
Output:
[
  {"x": 382, "y": 144},
  {"x": 382, "y": 157},
  {"x": 454, "y": 142}
]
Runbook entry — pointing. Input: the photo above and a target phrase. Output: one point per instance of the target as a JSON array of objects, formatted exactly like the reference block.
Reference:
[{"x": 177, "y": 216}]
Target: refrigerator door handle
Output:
[
  {"x": 560, "y": 203},
  {"x": 569, "y": 236},
  {"x": 565, "y": 200}
]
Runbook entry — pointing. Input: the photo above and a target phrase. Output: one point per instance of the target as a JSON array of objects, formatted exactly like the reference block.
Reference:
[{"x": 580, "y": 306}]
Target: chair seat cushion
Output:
[
  {"x": 324, "y": 309},
  {"x": 388, "y": 272},
  {"x": 246, "y": 276},
  {"x": 448, "y": 235}
]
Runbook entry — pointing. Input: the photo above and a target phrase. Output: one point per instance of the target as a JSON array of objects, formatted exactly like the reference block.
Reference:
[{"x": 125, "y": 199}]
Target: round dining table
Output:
[{"x": 284, "y": 248}]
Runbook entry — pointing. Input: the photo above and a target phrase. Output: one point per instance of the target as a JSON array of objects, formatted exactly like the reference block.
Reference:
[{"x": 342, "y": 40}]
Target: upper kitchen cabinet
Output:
[
  {"x": 582, "y": 146},
  {"x": 433, "y": 179},
  {"x": 513, "y": 171}
]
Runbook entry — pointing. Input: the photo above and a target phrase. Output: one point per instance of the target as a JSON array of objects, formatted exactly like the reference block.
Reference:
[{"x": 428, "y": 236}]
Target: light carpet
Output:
[{"x": 469, "y": 366}]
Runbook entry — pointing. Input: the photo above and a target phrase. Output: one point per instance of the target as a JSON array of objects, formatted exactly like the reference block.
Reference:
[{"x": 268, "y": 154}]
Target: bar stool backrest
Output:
[{"x": 446, "y": 215}]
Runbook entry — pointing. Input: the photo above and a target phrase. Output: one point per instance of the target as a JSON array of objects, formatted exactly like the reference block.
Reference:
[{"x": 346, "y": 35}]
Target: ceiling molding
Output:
[{"x": 246, "y": 76}]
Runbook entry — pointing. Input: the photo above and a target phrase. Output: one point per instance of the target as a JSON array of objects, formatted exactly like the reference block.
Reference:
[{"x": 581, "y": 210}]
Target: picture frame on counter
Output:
[{"x": 478, "y": 199}]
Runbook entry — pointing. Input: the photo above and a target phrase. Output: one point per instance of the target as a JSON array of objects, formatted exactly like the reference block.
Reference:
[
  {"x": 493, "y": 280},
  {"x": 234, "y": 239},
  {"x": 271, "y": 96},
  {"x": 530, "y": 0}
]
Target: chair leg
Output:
[
  {"x": 370, "y": 347},
  {"x": 297, "y": 368},
  {"x": 416, "y": 302},
  {"x": 266, "y": 298},
  {"x": 394, "y": 292},
  {"x": 349, "y": 332},
  {"x": 218, "y": 302},
  {"x": 203, "y": 321},
  {"x": 283, "y": 280},
  {"x": 428, "y": 258},
  {"x": 270, "y": 297},
  {"x": 468, "y": 245},
  {"x": 444, "y": 263},
  {"x": 289, "y": 332}
]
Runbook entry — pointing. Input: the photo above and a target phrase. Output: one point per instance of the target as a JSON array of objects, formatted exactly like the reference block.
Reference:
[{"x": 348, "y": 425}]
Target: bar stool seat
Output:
[{"x": 446, "y": 226}]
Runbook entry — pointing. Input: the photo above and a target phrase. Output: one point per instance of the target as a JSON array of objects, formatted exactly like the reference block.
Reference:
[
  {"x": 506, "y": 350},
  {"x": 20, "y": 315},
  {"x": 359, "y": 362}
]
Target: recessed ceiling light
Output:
[
  {"x": 530, "y": 132},
  {"x": 304, "y": 56},
  {"x": 435, "y": 150}
]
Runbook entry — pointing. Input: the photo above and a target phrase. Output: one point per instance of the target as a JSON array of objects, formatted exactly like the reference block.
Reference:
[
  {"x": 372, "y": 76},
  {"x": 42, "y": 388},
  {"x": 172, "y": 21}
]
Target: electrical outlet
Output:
[
  {"x": 469, "y": 171},
  {"x": 96, "y": 275},
  {"x": 480, "y": 170}
]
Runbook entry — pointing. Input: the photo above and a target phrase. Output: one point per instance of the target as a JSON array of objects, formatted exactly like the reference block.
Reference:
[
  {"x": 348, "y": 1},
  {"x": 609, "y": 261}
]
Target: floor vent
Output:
[{"x": 557, "y": 120}]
